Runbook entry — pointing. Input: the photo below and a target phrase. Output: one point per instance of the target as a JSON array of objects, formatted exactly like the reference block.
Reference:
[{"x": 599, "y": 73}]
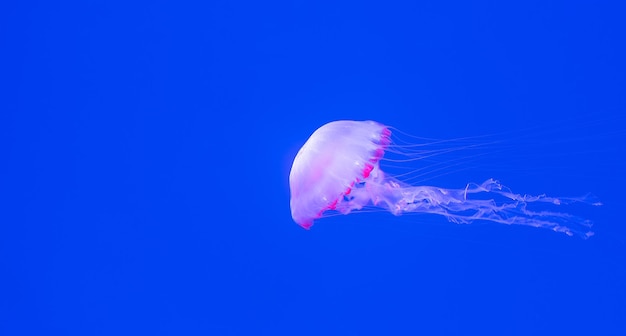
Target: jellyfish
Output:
[{"x": 338, "y": 170}]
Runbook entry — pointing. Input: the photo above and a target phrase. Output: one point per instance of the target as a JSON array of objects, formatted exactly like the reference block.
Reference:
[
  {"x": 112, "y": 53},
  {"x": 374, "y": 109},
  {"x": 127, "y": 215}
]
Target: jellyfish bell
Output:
[
  {"x": 338, "y": 169},
  {"x": 336, "y": 156}
]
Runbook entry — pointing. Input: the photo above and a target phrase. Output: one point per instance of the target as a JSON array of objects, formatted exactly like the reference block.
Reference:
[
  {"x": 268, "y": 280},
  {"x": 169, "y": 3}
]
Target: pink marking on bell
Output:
[
  {"x": 377, "y": 155},
  {"x": 367, "y": 170},
  {"x": 385, "y": 137}
]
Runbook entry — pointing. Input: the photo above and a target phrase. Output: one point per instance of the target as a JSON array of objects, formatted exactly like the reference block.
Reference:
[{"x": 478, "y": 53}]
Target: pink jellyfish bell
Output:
[
  {"x": 338, "y": 169},
  {"x": 337, "y": 155}
]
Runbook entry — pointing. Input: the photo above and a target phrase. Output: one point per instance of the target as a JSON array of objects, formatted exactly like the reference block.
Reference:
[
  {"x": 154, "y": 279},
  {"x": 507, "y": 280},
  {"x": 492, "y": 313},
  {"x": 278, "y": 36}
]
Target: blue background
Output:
[{"x": 146, "y": 147}]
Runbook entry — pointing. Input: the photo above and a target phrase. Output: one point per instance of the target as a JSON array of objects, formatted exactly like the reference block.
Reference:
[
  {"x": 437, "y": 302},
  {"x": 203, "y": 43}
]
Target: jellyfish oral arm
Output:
[{"x": 489, "y": 201}]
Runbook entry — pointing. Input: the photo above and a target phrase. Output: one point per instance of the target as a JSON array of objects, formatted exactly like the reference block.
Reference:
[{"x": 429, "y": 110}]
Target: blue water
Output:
[{"x": 146, "y": 150}]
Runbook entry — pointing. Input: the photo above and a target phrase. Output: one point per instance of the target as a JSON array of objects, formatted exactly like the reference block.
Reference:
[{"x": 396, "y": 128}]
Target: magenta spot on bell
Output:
[{"x": 367, "y": 170}]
